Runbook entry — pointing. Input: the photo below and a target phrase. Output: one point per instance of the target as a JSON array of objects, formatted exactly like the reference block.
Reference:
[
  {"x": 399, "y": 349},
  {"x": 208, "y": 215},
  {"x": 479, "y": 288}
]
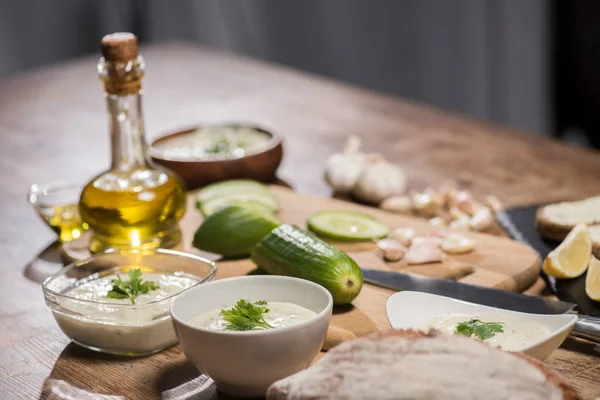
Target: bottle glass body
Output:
[{"x": 135, "y": 204}]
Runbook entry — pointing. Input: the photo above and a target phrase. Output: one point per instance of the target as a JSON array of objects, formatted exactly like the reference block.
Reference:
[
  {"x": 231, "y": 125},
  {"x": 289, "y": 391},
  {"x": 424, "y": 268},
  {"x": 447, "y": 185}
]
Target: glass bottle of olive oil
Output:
[{"x": 135, "y": 204}]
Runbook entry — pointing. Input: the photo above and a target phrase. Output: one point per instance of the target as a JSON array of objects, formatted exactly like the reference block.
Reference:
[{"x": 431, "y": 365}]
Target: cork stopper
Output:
[{"x": 120, "y": 46}]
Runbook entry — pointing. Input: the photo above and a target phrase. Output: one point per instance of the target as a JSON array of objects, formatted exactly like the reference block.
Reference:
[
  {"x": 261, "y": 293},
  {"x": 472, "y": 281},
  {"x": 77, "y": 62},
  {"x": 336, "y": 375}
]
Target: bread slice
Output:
[
  {"x": 414, "y": 365},
  {"x": 555, "y": 221}
]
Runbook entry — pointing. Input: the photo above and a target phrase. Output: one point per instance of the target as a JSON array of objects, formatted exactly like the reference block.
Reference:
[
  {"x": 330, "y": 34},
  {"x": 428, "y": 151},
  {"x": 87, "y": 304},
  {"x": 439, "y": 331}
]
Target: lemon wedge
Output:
[
  {"x": 571, "y": 258},
  {"x": 592, "y": 280}
]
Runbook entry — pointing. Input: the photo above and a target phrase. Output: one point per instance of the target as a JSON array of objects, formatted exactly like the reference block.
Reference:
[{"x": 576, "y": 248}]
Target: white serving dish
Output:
[
  {"x": 410, "y": 310},
  {"x": 245, "y": 364}
]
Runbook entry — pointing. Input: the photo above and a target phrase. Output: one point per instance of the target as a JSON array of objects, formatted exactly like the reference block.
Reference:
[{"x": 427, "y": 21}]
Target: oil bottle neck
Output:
[
  {"x": 121, "y": 73},
  {"x": 127, "y": 136}
]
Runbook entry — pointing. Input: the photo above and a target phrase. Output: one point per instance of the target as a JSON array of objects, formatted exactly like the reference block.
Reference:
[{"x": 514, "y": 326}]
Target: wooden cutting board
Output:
[{"x": 496, "y": 262}]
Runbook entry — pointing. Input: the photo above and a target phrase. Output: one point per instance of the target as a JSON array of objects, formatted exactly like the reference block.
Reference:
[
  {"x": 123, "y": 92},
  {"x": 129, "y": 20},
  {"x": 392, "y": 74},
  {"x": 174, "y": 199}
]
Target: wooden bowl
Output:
[{"x": 260, "y": 166}]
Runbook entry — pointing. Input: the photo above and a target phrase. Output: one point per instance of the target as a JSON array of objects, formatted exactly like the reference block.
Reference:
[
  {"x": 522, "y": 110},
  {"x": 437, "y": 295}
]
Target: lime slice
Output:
[
  {"x": 266, "y": 202},
  {"x": 230, "y": 187},
  {"x": 346, "y": 225},
  {"x": 236, "y": 192}
]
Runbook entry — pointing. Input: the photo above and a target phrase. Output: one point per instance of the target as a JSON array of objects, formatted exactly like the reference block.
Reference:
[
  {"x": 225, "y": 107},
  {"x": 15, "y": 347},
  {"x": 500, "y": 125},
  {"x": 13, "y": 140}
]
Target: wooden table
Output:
[{"x": 53, "y": 126}]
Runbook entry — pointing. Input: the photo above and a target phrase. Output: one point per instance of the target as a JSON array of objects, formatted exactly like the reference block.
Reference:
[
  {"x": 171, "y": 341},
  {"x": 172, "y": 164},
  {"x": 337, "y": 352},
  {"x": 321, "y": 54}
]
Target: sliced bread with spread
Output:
[{"x": 555, "y": 221}]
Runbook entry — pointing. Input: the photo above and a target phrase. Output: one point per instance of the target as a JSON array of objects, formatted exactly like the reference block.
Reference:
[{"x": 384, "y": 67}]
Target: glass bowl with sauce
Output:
[
  {"x": 128, "y": 323},
  {"x": 212, "y": 153}
]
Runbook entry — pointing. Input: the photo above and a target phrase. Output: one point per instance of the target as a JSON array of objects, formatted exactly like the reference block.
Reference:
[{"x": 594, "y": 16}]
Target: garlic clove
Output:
[
  {"x": 432, "y": 239},
  {"x": 390, "y": 250},
  {"x": 401, "y": 204},
  {"x": 402, "y": 235},
  {"x": 461, "y": 223},
  {"x": 494, "y": 203},
  {"x": 456, "y": 214},
  {"x": 440, "y": 233},
  {"x": 427, "y": 203},
  {"x": 465, "y": 203},
  {"x": 448, "y": 190},
  {"x": 457, "y": 244},
  {"x": 482, "y": 219},
  {"x": 437, "y": 221},
  {"x": 423, "y": 252}
]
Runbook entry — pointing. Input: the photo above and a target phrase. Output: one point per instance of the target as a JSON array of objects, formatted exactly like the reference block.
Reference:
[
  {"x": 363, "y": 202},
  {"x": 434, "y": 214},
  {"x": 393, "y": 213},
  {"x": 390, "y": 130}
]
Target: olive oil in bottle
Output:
[{"x": 135, "y": 204}]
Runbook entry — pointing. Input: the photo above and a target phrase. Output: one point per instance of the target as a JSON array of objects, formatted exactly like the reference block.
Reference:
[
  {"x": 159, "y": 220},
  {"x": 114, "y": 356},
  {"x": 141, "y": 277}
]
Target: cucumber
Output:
[
  {"x": 237, "y": 191},
  {"x": 347, "y": 225},
  {"x": 233, "y": 231},
  {"x": 291, "y": 251}
]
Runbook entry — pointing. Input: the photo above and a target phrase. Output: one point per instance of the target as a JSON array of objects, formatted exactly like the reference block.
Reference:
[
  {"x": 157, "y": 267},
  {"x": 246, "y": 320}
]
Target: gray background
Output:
[{"x": 485, "y": 58}]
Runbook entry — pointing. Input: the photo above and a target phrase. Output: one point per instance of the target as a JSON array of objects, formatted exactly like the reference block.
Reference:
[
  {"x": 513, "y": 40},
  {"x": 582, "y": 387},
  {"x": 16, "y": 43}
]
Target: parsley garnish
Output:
[
  {"x": 246, "y": 316},
  {"x": 483, "y": 330},
  {"x": 132, "y": 288}
]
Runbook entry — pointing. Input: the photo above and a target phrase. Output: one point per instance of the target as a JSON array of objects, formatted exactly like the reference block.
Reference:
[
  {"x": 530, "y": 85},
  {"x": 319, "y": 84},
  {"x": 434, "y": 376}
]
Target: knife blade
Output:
[
  {"x": 471, "y": 293},
  {"x": 586, "y": 327},
  {"x": 508, "y": 225}
]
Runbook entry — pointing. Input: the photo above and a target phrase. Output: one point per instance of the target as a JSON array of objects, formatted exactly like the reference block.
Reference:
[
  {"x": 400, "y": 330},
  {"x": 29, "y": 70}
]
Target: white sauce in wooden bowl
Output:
[{"x": 213, "y": 142}]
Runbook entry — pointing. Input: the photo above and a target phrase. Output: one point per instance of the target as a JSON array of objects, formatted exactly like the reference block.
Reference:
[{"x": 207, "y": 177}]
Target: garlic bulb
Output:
[
  {"x": 343, "y": 169},
  {"x": 380, "y": 179},
  {"x": 401, "y": 204}
]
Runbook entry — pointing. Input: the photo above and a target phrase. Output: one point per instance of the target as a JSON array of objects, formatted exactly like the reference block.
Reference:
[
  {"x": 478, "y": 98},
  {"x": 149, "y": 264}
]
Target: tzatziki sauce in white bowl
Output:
[
  {"x": 536, "y": 335},
  {"x": 245, "y": 363}
]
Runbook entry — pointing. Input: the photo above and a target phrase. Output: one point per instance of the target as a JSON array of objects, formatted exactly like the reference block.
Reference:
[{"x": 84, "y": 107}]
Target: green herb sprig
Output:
[
  {"x": 246, "y": 316},
  {"x": 132, "y": 288},
  {"x": 483, "y": 330}
]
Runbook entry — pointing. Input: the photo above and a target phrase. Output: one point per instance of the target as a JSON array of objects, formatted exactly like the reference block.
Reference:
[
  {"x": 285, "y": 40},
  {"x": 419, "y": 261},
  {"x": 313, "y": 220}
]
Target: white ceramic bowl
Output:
[
  {"x": 410, "y": 310},
  {"x": 244, "y": 364}
]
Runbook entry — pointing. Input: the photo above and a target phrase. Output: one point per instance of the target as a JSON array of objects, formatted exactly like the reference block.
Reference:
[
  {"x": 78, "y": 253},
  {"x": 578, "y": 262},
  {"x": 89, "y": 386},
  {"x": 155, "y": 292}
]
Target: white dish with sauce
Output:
[
  {"x": 245, "y": 363},
  {"x": 543, "y": 333},
  {"x": 77, "y": 297}
]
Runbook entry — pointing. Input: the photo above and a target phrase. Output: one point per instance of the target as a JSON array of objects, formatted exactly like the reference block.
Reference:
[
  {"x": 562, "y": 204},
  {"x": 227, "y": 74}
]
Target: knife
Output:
[
  {"x": 508, "y": 225},
  {"x": 586, "y": 327}
]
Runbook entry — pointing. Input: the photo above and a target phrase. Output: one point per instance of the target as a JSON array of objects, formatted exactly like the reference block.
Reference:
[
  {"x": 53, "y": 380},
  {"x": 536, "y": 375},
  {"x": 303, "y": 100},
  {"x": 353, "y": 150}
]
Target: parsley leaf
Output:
[
  {"x": 132, "y": 288},
  {"x": 246, "y": 316},
  {"x": 482, "y": 330}
]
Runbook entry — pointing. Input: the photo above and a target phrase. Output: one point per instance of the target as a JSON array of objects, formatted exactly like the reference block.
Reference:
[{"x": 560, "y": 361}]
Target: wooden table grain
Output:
[{"x": 53, "y": 126}]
